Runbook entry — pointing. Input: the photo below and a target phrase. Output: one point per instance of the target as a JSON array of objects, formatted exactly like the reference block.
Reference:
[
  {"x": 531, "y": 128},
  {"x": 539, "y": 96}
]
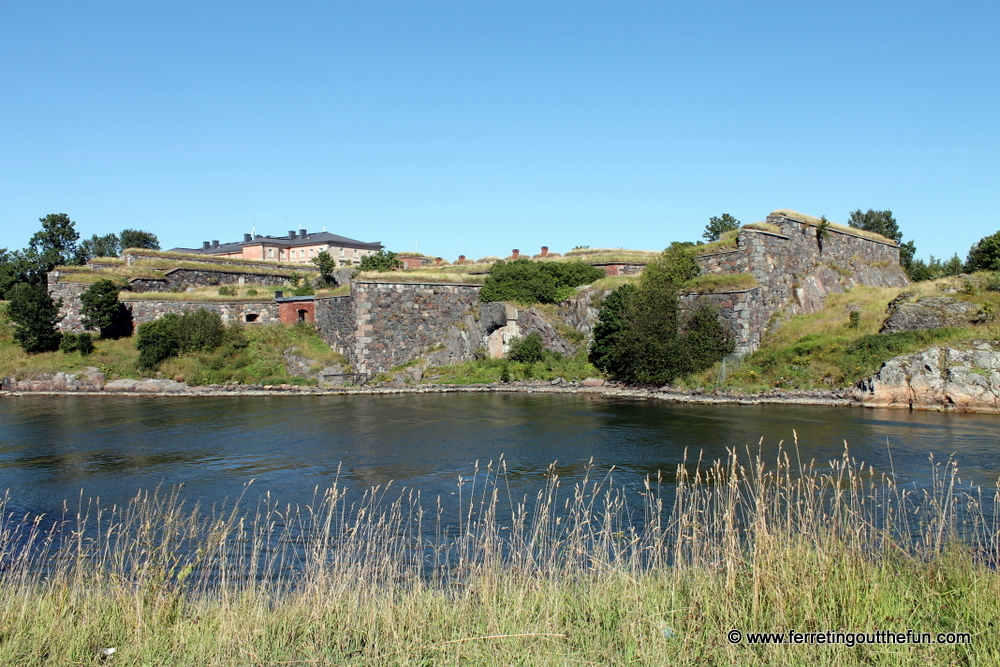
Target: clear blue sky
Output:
[{"x": 477, "y": 127}]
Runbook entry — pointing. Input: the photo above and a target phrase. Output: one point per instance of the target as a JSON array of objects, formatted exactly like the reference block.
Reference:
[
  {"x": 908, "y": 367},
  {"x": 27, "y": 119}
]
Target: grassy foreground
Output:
[{"x": 565, "y": 578}]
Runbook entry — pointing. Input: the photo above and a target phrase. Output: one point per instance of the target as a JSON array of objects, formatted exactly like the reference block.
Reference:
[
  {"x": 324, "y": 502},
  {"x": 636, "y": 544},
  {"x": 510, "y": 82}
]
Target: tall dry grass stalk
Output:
[{"x": 588, "y": 574}]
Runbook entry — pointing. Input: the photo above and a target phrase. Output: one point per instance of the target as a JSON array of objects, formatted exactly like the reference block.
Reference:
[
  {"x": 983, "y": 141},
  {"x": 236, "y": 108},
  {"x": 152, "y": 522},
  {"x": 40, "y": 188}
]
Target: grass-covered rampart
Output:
[
  {"x": 255, "y": 356},
  {"x": 826, "y": 349},
  {"x": 568, "y": 576}
]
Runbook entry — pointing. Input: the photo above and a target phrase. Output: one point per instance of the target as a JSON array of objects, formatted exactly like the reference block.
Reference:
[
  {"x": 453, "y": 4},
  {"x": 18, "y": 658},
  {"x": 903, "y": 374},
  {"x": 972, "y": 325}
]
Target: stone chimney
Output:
[
  {"x": 461, "y": 259},
  {"x": 302, "y": 233},
  {"x": 545, "y": 251},
  {"x": 205, "y": 245},
  {"x": 215, "y": 244},
  {"x": 247, "y": 238},
  {"x": 514, "y": 253},
  {"x": 291, "y": 234}
]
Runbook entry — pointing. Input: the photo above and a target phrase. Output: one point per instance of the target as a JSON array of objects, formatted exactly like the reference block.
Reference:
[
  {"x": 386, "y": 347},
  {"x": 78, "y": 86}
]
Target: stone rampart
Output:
[
  {"x": 231, "y": 312},
  {"x": 180, "y": 279},
  {"x": 165, "y": 261},
  {"x": 741, "y": 312},
  {"x": 797, "y": 268},
  {"x": 69, "y": 311}
]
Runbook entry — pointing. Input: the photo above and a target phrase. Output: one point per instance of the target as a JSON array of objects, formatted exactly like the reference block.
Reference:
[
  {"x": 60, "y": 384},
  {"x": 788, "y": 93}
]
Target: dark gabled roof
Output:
[
  {"x": 312, "y": 238},
  {"x": 317, "y": 237}
]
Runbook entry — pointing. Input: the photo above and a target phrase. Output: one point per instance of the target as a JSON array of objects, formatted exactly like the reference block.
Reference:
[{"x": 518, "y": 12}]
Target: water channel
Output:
[{"x": 58, "y": 448}]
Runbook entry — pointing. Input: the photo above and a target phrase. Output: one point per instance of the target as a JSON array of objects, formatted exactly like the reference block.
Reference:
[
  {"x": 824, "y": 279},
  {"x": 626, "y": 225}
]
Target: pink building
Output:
[{"x": 297, "y": 248}]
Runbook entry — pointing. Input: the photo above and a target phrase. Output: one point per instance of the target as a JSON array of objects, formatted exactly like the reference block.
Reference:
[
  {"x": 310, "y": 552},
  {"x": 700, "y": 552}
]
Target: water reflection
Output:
[{"x": 52, "y": 447}]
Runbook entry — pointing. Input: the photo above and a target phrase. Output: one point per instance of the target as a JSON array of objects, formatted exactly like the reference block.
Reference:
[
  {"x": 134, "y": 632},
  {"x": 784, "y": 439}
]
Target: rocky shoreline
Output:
[
  {"x": 938, "y": 379},
  {"x": 92, "y": 383}
]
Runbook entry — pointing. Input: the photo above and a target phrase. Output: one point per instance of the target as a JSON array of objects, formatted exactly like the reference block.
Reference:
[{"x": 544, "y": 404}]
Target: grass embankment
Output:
[
  {"x": 485, "y": 371},
  {"x": 823, "y": 350},
  {"x": 256, "y": 359},
  {"x": 568, "y": 577}
]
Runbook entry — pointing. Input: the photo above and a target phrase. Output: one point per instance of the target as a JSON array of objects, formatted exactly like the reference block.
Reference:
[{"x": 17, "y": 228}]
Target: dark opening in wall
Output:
[
  {"x": 302, "y": 315},
  {"x": 252, "y": 317}
]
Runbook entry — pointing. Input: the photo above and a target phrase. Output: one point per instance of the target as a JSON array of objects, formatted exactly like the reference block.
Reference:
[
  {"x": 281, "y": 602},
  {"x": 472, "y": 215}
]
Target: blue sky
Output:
[{"x": 475, "y": 128}]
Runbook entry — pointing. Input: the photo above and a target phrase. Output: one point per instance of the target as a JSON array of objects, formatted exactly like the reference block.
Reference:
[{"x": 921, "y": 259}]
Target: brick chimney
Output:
[
  {"x": 545, "y": 251},
  {"x": 514, "y": 253}
]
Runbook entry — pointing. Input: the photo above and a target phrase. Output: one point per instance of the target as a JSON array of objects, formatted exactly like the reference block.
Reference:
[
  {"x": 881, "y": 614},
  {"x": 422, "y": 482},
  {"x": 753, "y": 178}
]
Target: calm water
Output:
[{"x": 110, "y": 447}]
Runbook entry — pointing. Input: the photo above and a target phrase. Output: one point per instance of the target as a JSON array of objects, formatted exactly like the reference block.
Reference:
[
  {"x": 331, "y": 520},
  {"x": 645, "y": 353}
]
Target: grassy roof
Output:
[
  {"x": 422, "y": 276},
  {"x": 209, "y": 259},
  {"x": 814, "y": 221},
  {"x": 726, "y": 242}
]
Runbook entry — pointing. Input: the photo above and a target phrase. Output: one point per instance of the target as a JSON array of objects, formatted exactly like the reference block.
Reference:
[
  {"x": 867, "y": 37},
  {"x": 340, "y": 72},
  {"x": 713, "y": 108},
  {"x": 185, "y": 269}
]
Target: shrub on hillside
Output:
[
  {"x": 171, "y": 335},
  {"x": 527, "y": 349},
  {"x": 158, "y": 340},
  {"x": 528, "y": 282},
  {"x": 383, "y": 260}
]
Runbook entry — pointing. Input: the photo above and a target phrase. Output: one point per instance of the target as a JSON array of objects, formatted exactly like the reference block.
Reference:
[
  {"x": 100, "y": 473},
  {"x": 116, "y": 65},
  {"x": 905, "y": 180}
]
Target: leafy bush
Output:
[
  {"x": 527, "y": 349},
  {"x": 34, "y": 315},
  {"x": 67, "y": 343},
  {"x": 305, "y": 289},
  {"x": 158, "y": 340},
  {"x": 251, "y": 292},
  {"x": 227, "y": 290},
  {"x": 383, "y": 260},
  {"x": 528, "y": 282},
  {"x": 855, "y": 319},
  {"x": 84, "y": 343},
  {"x": 198, "y": 331}
]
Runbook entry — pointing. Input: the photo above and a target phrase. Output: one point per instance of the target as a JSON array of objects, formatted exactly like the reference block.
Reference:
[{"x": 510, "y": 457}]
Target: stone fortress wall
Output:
[{"x": 384, "y": 325}]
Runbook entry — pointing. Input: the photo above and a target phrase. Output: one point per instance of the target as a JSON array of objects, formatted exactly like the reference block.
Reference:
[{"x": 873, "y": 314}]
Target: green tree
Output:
[
  {"x": 984, "y": 255},
  {"x": 717, "y": 226},
  {"x": 608, "y": 329},
  {"x": 35, "y": 316},
  {"x": 638, "y": 338},
  {"x": 55, "y": 243},
  {"x": 14, "y": 269},
  {"x": 100, "y": 246},
  {"x": 136, "y": 238},
  {"x": 705, "y": 339},
  {"x": 325, "y": 263},
  {"x": 383, "y": 260},
  {"x": 883, "y": 222},
  {"x": 101, "y": 310}
]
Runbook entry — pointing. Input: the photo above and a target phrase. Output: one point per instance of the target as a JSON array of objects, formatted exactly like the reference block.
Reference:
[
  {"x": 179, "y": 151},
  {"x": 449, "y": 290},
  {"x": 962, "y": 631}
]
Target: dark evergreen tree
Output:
[
  {"x": 705, "y": 338},
  {"x": 102, "y": 311},
  {"x": 609, "y": 327},
  {"x": 35, "y": 316}
]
